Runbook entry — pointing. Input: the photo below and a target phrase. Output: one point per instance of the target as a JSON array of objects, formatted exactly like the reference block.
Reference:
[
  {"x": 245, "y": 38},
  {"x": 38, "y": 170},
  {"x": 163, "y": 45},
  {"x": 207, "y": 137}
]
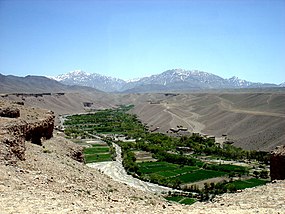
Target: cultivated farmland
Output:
[{"x": 171, "y": 164}]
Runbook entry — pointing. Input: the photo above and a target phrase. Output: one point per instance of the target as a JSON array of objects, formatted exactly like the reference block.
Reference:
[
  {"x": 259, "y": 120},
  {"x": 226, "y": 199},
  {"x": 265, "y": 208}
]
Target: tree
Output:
[
  {"x": 263, "y": 174},
  {"x": 256, "y": 174},
  {"x": 231, "y": 187},
  {"x": 206, "y": 187}
]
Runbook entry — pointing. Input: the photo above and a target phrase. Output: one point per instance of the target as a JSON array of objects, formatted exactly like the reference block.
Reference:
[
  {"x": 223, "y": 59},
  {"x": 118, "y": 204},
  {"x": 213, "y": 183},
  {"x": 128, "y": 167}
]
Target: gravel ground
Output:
[{"x": 116, "y": 171}]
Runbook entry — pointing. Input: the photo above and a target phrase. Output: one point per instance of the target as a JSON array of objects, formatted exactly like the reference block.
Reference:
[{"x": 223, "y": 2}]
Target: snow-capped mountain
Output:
[
  {"x": 178, "y": 79},
  {"x": 184, "y": 80},
  {"x": 94, "y": 80},
  {"x": 171, "y": 80},
  {"x": 179, "y": 75},
  {"x": 238, "y": 83}
]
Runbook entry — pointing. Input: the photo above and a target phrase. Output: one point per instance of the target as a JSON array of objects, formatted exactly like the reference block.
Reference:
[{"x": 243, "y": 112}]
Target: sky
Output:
[{"x": 130, "y": 39}]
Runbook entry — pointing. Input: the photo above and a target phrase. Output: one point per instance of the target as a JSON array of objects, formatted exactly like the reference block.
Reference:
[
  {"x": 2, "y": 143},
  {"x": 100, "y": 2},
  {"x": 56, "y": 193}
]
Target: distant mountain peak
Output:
[
  {"x": 133, "y": 80},
  {"x": 79, "y": 72},
  {"x": 94, "y": 80},
  {"x": 170, "y": 80},
  {"x": 237, "y": 82}
]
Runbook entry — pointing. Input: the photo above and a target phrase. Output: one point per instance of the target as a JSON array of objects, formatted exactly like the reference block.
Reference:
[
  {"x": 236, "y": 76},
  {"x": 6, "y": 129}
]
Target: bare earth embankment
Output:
[{"x": 250, "y": 120}]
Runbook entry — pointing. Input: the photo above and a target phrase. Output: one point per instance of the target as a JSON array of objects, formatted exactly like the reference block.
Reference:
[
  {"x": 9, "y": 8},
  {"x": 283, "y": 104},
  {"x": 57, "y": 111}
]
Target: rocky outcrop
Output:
[
  {"x": 10, "y": 112},
  {"x": 40, "y": 129},
  {"x": 32, "y": 125},
  {"x": 78, "y": 155},
  {"x": 12, "y": 149},
  {"x": 277, "y": 163}
]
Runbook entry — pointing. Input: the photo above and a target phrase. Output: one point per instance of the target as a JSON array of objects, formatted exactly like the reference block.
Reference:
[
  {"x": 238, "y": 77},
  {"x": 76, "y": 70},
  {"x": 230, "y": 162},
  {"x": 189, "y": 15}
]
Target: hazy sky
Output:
[{"x": 130, "y": 39}]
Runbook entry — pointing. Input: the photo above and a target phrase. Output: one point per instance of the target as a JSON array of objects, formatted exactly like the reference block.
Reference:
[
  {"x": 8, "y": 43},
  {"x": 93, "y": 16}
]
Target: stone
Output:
[
  {"x": 10, "y": 112},
  {"x": 277, "y": 163}
]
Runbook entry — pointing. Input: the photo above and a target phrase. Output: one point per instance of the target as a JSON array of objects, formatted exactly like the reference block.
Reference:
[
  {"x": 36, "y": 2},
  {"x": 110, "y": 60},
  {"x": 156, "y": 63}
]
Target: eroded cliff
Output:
[
  {"x": 277, "y": 163},
  {"x": 19, "y": 124}
]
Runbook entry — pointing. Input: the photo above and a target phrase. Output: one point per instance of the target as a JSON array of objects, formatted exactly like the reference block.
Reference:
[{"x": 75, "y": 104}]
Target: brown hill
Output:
[
  {"x": 250, "y": 120},
  {"x": 35, "y": 84}
]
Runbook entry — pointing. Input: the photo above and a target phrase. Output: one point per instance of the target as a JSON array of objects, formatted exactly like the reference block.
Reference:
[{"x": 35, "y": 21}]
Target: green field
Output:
[
  {"x": 227, "y": 168},
  {"x": 91, "y": 158},
  {"x": 93, "y": 150},
  {"x": 181, "y": 199},
  {"x": 185, "y": 174},
  {"x": 248, "y": 183},
  {"x": 199, "y": 175},
  {"x": 152, "y": 167},
  {"x": 97, "y": 153}
]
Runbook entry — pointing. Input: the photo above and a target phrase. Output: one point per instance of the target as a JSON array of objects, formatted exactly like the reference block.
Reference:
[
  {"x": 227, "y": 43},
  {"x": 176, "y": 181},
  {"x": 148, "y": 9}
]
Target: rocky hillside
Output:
[
  {"x": 49, "y": 180},
  {"x": 18, "y": 124}
]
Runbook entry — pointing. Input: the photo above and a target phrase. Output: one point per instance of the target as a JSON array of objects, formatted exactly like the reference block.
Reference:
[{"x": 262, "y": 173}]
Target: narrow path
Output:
[
  {"x": 115, "y": 170},
  {"x": 191, "y": 121},
  {"x": 228, "y": 107}
]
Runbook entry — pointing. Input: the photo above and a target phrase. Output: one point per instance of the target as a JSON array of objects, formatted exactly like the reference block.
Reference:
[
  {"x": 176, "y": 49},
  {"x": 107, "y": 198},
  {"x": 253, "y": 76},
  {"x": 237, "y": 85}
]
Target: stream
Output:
[{"x": 116, "y": 171}]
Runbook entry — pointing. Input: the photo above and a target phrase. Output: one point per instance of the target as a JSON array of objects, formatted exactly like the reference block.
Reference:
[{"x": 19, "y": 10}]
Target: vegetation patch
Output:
[
  {"x": 181, "y": 199},
  {"x": 91, "y": 158},
  {"x": 111, "y": 121},
  {"x": 99, "y": 153},
  {"x": 199, "y": 175},
  {"x": 152, "y": 167},
  {"x": 253, "y": 182},
  {"x": 96, "y": 150},
  {"x": 179, "y": 161}
]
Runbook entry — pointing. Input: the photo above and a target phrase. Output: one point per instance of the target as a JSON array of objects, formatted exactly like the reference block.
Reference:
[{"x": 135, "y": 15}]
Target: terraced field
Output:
[
  {"x": 248, "y": 183},
  {"x": 97, "y": 153},
  {"x": 181, "y": 200},
  {"x": 170, "y": 171}
]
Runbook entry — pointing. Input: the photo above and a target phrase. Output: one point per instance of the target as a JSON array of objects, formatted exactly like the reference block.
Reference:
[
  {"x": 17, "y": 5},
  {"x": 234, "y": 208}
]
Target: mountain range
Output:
[
  {"x": 176, "y": 80},
  {"x": 36, "y": 84},
  {"x": 170, "y": 80}
]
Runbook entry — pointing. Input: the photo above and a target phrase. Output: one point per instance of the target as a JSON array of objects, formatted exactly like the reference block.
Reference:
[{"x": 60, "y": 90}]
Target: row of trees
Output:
[{"x": 207, "y": 146}]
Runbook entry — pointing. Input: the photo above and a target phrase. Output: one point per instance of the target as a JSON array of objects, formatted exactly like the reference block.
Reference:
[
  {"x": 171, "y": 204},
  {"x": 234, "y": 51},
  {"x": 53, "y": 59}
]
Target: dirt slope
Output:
[{"x": 251, "y": 120}]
